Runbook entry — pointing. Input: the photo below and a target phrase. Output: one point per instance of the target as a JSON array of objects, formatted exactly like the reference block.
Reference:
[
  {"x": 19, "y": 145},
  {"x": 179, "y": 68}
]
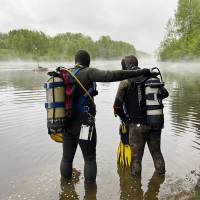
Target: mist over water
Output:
[{"x": 30, "y": 160}]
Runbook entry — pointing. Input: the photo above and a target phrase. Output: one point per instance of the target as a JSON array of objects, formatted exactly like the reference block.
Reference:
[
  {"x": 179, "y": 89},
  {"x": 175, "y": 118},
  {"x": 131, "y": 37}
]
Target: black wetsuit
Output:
[
  {"x": 133, "y": 112},
  {"x": 71, "y": 134}
]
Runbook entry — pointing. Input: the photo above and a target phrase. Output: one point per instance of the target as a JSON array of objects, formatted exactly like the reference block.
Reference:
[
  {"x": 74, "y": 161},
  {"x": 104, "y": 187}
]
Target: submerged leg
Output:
[
  {"x": 68, "y": 187},
  {"x": 69, "y": 148},
  {"x": 130, "y": 187},
  {"x": 154, "y": 186},
  {"x": 90, "y": 191}
]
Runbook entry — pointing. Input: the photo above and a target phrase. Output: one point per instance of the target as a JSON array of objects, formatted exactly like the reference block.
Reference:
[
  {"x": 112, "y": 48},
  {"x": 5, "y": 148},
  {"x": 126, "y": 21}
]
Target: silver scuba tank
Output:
[
  {"x": 154, "y": 106},
  {"x": 55, "y": 106}
]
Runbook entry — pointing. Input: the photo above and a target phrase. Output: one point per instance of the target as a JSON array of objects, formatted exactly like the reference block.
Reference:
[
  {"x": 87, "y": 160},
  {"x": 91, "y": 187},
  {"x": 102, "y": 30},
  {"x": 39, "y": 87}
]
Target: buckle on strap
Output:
[{"x": 86, "y": 108}]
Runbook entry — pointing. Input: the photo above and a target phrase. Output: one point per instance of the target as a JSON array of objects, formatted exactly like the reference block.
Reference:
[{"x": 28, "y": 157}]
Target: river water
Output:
[{"x": 29, "y": 165}]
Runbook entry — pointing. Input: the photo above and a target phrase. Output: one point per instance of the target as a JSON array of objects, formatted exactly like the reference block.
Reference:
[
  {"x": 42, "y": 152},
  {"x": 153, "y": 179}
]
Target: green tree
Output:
[
  {"x": 183, "y": 33},
  {"x": 27, "y": 44}
]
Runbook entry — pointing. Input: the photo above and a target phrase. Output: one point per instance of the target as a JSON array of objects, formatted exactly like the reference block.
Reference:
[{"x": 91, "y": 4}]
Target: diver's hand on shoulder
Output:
[
  {"x": 146, "y": 71},
  {"x": 153, "y": 72},
  {"x": 150, "y": 72}
]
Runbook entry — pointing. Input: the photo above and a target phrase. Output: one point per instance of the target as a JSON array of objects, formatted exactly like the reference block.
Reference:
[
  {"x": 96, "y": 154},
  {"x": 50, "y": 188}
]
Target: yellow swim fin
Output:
[
  {"x": 124, "y": 154},
  {"x": 57, "y": 137},
  {"x": 120, "y": 154},
  {"x": 127, "y": 155},
  {"x": 124, "y": 150},
  {"x": 121, "y": 161}
]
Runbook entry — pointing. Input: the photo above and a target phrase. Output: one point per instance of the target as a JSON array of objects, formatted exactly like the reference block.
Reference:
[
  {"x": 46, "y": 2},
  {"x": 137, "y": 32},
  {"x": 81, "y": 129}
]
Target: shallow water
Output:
[{"x": 30, "y": 160}]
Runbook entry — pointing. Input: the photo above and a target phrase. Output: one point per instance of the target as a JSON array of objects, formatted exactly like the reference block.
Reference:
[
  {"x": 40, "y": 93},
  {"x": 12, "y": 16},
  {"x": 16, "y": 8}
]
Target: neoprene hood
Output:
[
  {"x": 82, "y": 57},
  {"x": 129, "y": 62}
]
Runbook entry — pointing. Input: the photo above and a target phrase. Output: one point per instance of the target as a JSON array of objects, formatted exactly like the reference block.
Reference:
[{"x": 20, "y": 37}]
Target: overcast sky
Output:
[{"x": 140, "y": 22}]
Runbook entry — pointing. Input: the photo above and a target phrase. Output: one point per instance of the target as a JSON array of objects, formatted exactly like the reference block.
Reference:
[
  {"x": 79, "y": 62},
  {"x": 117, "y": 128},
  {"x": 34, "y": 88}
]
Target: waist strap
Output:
[{"x": 54, "y": 105}]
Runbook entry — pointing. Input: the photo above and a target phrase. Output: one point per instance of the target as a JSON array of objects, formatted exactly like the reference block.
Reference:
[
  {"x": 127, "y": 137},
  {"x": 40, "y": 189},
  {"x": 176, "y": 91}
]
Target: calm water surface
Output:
[{"x": 30, "y": 160}]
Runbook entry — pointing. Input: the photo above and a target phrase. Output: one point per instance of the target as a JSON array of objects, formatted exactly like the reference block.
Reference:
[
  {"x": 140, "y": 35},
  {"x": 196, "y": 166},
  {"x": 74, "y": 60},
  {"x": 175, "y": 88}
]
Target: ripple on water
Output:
[{"x": 30, "y": 160}]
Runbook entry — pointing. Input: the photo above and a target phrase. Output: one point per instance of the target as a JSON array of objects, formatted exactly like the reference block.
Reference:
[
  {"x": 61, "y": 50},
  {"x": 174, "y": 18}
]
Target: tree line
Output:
[
  {"x": 28, "y": 44},
  {"x": 182, "y": 40}
]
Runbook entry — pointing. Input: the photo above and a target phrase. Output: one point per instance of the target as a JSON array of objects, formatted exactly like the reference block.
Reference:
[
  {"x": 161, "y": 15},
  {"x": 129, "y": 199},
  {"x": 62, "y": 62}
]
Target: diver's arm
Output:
[
  {"x": 97, "y": 75},
  {"x": 163, "y": 93},
  {"x": 119, "y": 101}
]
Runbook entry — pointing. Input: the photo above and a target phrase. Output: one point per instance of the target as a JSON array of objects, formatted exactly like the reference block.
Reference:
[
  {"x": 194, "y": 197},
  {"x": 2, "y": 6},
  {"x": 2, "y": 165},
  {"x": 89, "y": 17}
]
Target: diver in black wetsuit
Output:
[{"x": 87, "y": 76}]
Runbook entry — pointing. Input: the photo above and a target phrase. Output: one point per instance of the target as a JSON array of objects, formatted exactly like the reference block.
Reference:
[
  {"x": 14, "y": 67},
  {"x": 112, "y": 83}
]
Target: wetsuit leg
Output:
[
  {"x": 137, "y": 139},
  {"x": 90, "y": 191},
  {"x": 69, "y": 149},
  {"x": 154, "y": 147},
  {"x": 88, "y": 149}
]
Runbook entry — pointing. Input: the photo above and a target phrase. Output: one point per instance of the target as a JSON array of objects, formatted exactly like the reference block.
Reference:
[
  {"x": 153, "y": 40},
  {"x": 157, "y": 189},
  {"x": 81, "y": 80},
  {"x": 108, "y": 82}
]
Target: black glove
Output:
[
  {"x": 154, "y": 73},
  {"x": 55, "y": 74},
  {"x": 146, "y": 71}
]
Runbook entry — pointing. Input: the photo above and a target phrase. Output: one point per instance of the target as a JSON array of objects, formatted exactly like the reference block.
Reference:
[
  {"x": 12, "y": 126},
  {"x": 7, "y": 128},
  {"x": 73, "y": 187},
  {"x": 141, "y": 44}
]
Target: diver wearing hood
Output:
[
  {"x": 73, "y": 131},
  {"x": 130, "y": 106}
]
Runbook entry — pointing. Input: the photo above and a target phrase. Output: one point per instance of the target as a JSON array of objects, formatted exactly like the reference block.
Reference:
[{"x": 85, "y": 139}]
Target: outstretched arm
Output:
[{"x": 97, "y": 75}]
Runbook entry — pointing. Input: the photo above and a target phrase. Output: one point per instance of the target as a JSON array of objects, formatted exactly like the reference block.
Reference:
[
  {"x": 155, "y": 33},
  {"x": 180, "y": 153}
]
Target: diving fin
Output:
[
  {"x": 120, "y": 154},
  {"x": 124, "y": 150},
  {"x": 57, "y": 137},
  {"x": 127, "y": 155}
]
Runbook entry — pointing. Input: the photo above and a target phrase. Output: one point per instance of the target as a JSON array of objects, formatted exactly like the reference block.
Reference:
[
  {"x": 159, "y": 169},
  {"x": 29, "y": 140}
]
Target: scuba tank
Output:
[
  {"x": 154, "y": 106},
  {"x": 60, "y": 105},
  {"x": 55, "y": 106}
]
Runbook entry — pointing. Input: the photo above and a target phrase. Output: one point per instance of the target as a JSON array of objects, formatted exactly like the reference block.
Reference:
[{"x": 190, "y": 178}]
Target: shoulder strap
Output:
[
  {"x": 76, "y": 70},
  {"x": 73, "y": 74}
]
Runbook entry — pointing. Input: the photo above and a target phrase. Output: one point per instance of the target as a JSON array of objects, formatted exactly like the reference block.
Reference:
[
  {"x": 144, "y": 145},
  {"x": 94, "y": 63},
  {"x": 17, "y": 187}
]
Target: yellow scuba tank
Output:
[
  {"x": 154, "y": 106},
  {"x": 55, "y": 106}
]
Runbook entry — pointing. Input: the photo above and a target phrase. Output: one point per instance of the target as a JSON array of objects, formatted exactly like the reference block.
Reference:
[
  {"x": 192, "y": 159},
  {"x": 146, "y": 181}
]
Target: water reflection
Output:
[
  {"x": 131, "y": 187},
  {"x": 68, "y": 191},
  {"x": 68, "y": 187},
  {"x": 184, "y": 104},
  {"x": 19, "y": 79},
  {"x": 154, "y": 186},
  {"x": 90, "y": 191},
  {"x": 197, "y": 189}
]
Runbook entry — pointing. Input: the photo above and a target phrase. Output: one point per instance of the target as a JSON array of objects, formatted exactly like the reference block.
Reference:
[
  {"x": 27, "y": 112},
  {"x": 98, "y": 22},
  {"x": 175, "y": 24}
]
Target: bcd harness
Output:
[{"x": 60, "y": 105}]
